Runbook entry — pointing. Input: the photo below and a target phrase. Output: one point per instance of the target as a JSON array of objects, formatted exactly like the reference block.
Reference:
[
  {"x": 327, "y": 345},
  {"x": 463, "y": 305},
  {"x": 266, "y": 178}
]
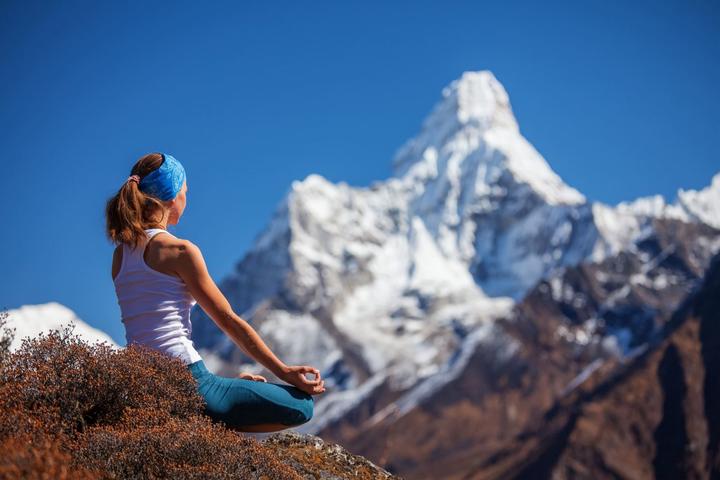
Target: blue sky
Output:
[{"x": 622, "y": 99}]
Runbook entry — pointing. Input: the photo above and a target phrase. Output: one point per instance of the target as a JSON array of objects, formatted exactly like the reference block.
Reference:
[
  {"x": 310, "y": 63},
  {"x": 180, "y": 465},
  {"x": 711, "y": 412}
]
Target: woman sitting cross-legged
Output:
[{"x": 158, "y": 277}]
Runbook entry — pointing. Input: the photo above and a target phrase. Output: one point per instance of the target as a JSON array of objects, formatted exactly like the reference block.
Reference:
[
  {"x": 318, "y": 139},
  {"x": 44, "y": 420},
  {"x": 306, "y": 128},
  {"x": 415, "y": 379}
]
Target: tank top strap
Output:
[
  {"x": 151, "y": 232},
  {"x": 133, "y": 257}
]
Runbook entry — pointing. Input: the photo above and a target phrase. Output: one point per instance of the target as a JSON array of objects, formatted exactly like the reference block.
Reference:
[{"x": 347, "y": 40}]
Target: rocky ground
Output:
[{"x": 313, "y": 458}]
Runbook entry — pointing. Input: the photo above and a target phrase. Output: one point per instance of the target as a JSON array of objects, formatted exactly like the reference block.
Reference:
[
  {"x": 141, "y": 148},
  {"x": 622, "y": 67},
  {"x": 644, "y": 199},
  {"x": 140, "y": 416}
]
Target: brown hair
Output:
[{"x": 130, "y": 211}]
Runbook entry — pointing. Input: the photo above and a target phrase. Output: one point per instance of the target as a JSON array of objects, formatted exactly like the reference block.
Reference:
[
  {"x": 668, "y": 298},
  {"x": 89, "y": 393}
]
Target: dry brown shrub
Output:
[
  {"x": 70, "y": 408},
  {"x": 70, "y": 385},
  {"x": 153, "y": 444},
  {"x": 38, "y": 457}
]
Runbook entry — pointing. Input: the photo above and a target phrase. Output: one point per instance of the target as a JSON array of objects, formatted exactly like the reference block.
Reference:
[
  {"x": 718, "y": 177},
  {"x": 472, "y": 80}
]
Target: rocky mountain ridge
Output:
[
  {"x": 391, "y": 287},
  {"x": 498, "y": 403}
]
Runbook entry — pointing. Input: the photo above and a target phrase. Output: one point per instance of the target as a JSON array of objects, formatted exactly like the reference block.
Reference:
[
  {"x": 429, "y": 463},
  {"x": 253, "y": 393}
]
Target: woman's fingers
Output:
[
  {"x": 309, "y": 369},
  {"x": 250, "y": 376},
  {"x": 315, "y": 389},
  {"x": 315, "y": 371},
  {"x": 311, "y": 382},
  {"x": 316, "y": 385}
]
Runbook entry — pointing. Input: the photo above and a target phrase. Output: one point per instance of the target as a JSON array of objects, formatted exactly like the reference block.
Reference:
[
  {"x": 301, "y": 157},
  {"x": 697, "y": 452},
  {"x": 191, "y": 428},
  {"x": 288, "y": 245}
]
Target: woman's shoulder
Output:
[
  {"x": 165, "y": 239},
  {"x": 174, "y": 246},
  {"x": 164, "y": 252},
  {"x": 180, "y": 255}
]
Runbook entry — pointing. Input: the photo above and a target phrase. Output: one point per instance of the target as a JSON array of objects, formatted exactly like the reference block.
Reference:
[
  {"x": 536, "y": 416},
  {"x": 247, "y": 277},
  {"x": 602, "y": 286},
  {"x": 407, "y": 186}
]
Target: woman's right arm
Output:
[{"x": 191, "y": 268}]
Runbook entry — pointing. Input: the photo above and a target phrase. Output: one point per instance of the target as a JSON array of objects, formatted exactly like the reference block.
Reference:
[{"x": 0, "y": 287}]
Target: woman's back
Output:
[{"x": 155, "y": 307}]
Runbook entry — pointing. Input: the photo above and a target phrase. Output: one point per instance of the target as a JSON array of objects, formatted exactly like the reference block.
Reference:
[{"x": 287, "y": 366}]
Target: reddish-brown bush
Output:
[
  {"x": 75, "y": 410},
  {"x": 38, "y": 457},
  {"x": 71, "y": 385},
  {"x": 152, "y": 444}
]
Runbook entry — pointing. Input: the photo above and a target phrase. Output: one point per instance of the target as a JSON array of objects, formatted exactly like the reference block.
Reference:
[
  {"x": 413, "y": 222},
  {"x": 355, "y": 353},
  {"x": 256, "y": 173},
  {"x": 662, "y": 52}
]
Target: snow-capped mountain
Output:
[
  {"x": 472, "y": 218},
  {"x": 30, "y": 320},
  {"x": 392, "y": 286}
]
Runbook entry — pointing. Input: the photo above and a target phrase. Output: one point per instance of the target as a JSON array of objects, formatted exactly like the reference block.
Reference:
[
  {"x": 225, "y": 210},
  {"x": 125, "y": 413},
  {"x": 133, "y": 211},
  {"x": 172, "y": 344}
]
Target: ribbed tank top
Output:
[{"x": 155, "y": 307}]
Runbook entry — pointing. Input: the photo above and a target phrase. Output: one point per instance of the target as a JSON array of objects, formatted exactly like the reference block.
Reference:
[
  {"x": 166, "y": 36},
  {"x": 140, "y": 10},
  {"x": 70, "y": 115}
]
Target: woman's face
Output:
[{"x": 177, "y": 205}]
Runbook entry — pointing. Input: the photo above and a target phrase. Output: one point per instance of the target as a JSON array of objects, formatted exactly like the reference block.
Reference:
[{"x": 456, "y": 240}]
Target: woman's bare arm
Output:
[{"x": 192, "y": 269}]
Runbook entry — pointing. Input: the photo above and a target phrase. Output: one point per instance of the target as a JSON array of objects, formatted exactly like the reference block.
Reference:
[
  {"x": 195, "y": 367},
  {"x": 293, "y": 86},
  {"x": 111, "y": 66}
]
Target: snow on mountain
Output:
[
  {"x": 405, "y": 257},
  {"x": 704, "y": 205},
  {"x": 628, "y": 222},
  {"x": 474, "y": 124},
  {"x": 447, "y": 373},
  {"x": 386, "y": 283},
  {"x": 31, "y": 320}
]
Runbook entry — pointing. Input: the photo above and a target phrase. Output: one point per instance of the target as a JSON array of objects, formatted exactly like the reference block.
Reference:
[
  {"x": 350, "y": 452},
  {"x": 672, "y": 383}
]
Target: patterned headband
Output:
[{"x": 164, "y": 182}]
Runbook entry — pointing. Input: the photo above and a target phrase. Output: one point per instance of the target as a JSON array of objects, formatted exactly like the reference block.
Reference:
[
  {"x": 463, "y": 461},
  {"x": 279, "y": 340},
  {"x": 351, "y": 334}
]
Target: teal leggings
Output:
[{"x": 239, "y": 401}]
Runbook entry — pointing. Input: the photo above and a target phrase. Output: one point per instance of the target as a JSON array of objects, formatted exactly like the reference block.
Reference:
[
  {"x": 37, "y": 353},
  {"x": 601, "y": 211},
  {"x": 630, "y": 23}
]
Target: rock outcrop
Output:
[{"x": 311, "y": 457}]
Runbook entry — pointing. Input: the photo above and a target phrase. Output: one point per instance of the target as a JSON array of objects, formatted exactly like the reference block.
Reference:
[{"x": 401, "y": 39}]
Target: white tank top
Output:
[{"x": 155, "y": 307}]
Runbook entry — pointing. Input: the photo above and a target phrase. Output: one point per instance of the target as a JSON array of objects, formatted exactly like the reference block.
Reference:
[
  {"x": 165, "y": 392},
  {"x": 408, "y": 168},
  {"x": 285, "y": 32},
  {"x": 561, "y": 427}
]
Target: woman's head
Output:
[{"x": 153, "y": 196}]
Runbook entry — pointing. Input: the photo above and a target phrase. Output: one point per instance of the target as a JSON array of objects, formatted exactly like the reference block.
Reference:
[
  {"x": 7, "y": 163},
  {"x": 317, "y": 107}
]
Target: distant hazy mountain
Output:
[{"x": 30, "y": 320}]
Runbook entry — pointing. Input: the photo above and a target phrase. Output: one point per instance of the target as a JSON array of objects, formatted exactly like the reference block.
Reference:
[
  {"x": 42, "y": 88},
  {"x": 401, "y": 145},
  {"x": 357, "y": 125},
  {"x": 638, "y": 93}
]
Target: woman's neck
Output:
[{"x": 162, "y": 223}]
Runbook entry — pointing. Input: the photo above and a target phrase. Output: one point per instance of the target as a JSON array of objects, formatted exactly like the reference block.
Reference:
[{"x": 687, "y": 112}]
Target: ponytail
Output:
[{"x": 130, "y": 211}]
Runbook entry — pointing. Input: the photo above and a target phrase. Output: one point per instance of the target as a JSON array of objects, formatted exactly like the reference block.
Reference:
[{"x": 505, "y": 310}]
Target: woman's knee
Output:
[{"x": 302, "y": 411}]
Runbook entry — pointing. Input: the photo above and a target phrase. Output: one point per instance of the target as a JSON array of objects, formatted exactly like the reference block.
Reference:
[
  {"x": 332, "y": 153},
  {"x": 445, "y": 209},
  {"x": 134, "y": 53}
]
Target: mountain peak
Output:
[
  {"x": 472, "y": 129},
  {"x": 475, "y": 101},
  {"x": 478, "y": 97},
  {"x": 703, "y": 205}
]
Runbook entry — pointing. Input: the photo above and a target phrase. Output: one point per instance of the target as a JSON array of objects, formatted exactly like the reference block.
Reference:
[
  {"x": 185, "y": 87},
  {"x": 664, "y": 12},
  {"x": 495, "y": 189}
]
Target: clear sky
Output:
[{"x": 622, "y": 98}]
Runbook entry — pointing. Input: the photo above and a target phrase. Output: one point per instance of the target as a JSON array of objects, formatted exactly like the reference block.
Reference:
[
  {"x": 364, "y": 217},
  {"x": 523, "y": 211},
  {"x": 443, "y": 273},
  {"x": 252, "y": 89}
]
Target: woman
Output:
[{"x": 159, "y": 277}]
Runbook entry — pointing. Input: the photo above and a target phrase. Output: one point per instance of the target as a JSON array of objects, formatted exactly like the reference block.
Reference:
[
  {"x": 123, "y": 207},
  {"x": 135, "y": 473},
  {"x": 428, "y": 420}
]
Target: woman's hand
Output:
[
  {"x": 295, "y": 375},
  {"x": 250, "y": 376}
]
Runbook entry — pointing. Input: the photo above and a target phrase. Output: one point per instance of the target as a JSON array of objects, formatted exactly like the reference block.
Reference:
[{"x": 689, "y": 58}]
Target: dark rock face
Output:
[
  {"x": 632, "y": 393},
  {"x": 707, "y": 309},
  {"x": 649, "y": 418}
]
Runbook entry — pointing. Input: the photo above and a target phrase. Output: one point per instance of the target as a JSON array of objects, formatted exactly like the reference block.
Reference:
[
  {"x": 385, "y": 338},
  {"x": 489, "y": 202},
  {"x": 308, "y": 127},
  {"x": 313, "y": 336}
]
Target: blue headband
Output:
[{"x": 166, "y": 181}]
